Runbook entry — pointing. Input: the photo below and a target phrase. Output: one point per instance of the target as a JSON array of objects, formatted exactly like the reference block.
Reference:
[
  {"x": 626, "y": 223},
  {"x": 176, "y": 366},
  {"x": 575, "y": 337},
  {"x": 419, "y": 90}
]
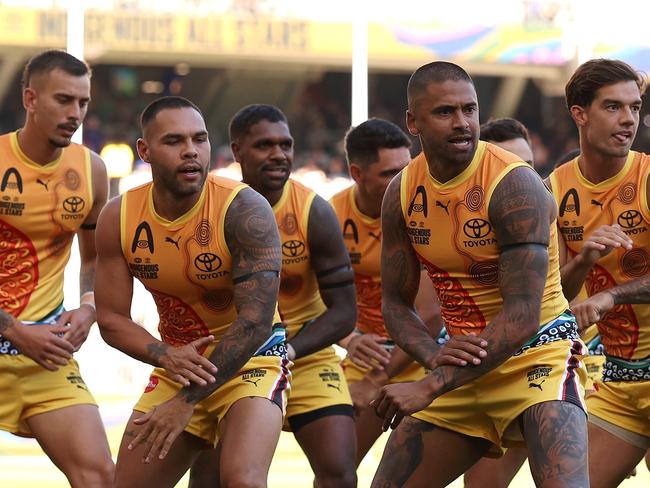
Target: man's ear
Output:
[
  {"x": 234, "y": 147},
  {"x": 143, "y": 150},
  {"x": 579, "y": 115},
  {"x": 355, "y": 172},
  {"x": 410, "y": 123},
  {"x": 29, "y": 99}
]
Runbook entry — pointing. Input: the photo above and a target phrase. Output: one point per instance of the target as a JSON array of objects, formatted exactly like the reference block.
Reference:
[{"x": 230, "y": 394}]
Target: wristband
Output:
[{"x": 89, "y": 301}]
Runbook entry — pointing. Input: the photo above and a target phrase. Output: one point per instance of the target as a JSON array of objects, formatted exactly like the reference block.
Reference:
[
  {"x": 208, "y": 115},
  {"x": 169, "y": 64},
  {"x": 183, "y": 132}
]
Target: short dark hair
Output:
[
  {"x": 435, "y": 72},
  {"x": 164, "y": 103},
  {"x": 250, "y": 115},
  {"x": 48, "y": 61},
  {"x": 362, "y": 143},
  {"x": 595, "y": 74},
  {"x": 506, "y": 129}
]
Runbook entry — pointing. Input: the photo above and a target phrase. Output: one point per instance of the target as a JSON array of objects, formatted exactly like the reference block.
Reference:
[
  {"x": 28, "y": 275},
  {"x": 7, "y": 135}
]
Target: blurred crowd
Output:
[{"x": 319, "y": 114}]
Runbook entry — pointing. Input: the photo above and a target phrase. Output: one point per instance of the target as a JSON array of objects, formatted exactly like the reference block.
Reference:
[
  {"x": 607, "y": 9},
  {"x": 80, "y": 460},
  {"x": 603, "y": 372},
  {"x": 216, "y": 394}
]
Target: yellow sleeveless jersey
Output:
[
  {"x": 450, "y": 229},
  {"x": 41, "y": 209},
  {"x": 362, "y": 237},
  {"x": 299, "y": 299},
  {"x": 583, "y": 208},
  {"x": 185, "y": 264}
]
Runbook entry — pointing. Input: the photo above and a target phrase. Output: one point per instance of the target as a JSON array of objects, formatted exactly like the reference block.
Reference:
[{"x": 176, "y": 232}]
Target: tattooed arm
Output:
[
  {"x": 114, "y": 292},
  {"x": 400, "y": 279},
  {"x": 331, "y": 263},
  {"x": 254, "y": 242},
  {"x": 521, "y": 211}
]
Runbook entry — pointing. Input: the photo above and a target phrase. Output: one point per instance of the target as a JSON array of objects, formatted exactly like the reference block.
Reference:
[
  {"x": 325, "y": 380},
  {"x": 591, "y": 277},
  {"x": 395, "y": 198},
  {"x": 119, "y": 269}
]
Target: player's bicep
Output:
[
  {"x": 113, "y": 282},
  {"x": 99, "y": 189},
  {"x": 329, "y": 257},
  {"x": 520, "y": 211},
  {"x": 254, "y": 242},
  {"x": 400, "y": 268}
]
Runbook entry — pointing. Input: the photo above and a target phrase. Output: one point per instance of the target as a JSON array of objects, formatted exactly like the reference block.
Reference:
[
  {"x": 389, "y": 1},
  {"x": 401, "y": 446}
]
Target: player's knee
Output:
[
  {"x": 244, "y": 479},
  {"x": 342, "y": 478},
  {"x": 99, "y": 474}
]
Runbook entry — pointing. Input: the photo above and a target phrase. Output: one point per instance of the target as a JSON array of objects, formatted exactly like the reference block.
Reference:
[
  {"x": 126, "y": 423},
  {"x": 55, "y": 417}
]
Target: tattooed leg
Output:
[
  {"x": 419, "y": 454},
  {"x": 132, "y": 472},
  {"x": 556, "y": 435}
]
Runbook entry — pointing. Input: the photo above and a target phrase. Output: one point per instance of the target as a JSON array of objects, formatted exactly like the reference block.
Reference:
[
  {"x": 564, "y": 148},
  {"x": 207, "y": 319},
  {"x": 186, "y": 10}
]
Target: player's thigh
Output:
[
  {"x": 249, "y": 436},
  {"x": 496, "y": 473},
  {"x": 420, "y": 454},
  {"x": 368, "y": 429},
  {"x": 556, "y": 437},
  {"x": 329, "y": 442},
  {"x": 131, "y": 471},
  {"x": 611, "y": 459},
  {"x": 74, "y": 438}
]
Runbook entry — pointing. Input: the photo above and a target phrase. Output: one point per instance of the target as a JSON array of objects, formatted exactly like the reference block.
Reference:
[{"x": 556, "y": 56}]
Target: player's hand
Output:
[
  {"x": 400, "y": 399},
  {"x": 42, "y": 344},
  {"x": 603, "y": 241},
  {"x": 160, "y": 428},
  {"x": 461, "y": 350},
  {"x": 592, "y": 309},
  {"x": 78, "y": 323},
  {"x": 185, "y": 364},
  {"x": 367, "y": 351},
  {"x": 363, "y": 392}
]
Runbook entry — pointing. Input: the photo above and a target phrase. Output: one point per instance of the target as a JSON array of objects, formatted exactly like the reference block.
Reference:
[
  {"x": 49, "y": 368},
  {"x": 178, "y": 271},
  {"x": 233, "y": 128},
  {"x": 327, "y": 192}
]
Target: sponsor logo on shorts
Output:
[
  {"x": 332, "y": 378},
  {"x": 77, "y": 381},
  {"x": 153, "y": 382},
  {"x": 537, "y": 376},
  {"x": 253, "y": 376}
]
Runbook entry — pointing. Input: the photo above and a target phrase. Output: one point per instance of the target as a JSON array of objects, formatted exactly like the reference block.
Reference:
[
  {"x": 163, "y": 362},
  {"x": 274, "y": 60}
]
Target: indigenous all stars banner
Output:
[{"x": 393, "y": 44}]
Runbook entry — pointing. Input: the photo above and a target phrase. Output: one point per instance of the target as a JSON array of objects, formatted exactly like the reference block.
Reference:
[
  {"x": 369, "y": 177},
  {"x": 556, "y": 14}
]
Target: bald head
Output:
[{"x": 436, "y": 72}]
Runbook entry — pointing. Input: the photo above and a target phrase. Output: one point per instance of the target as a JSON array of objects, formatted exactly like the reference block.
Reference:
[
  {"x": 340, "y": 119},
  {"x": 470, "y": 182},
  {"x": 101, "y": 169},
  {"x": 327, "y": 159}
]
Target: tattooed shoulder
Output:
[
  {"x": 521, "y": 209},
  {"x": 252, "y": 234}
]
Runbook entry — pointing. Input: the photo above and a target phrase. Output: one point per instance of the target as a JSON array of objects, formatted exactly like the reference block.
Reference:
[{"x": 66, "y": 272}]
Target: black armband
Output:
[
  {"x": 88, "y": 226},
  {"x": 327, "y": 272},
  {"x": 268, "y": 273},
  {"x": 339, "y": 284},
  {"x": 509, "y": 247}
]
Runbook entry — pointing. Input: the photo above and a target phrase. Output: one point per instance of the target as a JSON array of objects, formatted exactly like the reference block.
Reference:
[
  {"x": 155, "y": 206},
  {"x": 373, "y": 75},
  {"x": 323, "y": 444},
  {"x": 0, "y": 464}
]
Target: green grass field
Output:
[{"x": 22, "y": 464}]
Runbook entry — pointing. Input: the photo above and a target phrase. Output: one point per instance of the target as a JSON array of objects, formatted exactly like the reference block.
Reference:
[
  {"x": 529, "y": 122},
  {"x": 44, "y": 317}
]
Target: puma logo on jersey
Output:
[
  {"x": 596, "y": 202},
  {"x": 174, "y": 242},
  {"x": 536, "y": 385},
  {"x": 372, "y": 234},
  {"x": 254, "y": 382},
  {"x": 443, "y": 206},
  {"x": 337, "y": 387},
  {"x": 44, "y": 183}
]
